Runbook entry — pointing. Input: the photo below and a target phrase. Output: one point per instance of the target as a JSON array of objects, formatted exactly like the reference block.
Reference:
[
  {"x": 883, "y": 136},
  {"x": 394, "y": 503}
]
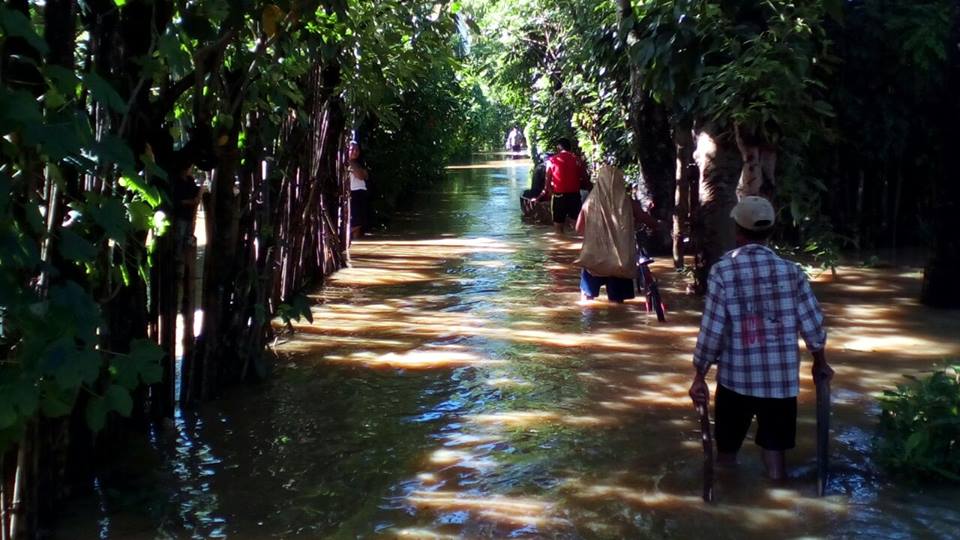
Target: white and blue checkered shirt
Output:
[{"x": 756, "y": 306}]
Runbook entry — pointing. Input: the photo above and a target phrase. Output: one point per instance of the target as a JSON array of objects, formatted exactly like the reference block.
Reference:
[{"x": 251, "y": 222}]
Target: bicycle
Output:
[{"x": 646, "y": 282}]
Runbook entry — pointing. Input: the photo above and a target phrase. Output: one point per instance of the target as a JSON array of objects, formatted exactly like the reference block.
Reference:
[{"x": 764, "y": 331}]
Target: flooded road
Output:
[{"x": 452, "y": 387}]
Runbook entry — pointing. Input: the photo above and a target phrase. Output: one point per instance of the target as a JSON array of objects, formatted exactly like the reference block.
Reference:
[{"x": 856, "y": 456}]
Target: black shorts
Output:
[
  {"x": 359, "y": 207},
  {"x": 776, "y": 421},
  {"x": 565, "y": 205}
]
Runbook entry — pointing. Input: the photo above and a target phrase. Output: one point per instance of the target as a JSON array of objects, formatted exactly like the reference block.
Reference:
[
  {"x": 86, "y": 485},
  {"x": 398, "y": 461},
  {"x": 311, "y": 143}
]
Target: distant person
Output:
[
  {"x": 359, "y": 196},
  {"x": 564, "y": 173},
  {"x": 756, "y": 306},
  {"x": 515, "y": 140},
  {"x": 609, "y": 253}
]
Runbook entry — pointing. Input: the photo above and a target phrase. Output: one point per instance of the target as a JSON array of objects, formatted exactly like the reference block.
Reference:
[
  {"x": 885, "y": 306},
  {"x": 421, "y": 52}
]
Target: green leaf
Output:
[
  {"x": 64, "y": 80},
  {"x": 113, "y": 149},
  {"x": 75, "y": 248},
  {"x": 22, "y": 396},
  {"x": 141, "y": 215},
  {"x": 96, "y": 413},
  {"x": 18, "y": 109},
  {"x": 55, "y": 405},
  {"x": 141, "y": 364},
  {"x": 17, "y": 24},
  {"x": 170, "y": 50},
  {"x": 104, "y": 92},
  {"x": 118, "y": 399},
  {"x": 83, "y": 312},
  {"x": 914, "y": 441},
  {"x": 56, "y": 140},
  {"x": 111, "y": 215},
  {"x": 142, "y": 187},
  {"x": 151, "y": 166}
]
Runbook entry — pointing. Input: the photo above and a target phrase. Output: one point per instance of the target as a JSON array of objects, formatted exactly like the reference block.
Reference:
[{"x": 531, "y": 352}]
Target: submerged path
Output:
[{"x": 451, "y": 387}]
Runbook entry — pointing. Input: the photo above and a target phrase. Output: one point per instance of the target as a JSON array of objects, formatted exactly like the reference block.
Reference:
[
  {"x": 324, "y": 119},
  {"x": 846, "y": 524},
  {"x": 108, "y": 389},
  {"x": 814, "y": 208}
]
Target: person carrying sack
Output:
[{"x": 609, "y": 252}]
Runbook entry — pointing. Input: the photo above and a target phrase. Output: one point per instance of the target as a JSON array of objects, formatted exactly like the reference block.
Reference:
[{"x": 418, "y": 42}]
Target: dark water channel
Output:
[{"x": 451, "y": 387}]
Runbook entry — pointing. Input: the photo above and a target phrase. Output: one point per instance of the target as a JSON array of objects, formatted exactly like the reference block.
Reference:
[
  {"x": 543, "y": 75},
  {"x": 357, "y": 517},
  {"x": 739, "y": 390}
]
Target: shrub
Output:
[{"x": 920, "y": 427}]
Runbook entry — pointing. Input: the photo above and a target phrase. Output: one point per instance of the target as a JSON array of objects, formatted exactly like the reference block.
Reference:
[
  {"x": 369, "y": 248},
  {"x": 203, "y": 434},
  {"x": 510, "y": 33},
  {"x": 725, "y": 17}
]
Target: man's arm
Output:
[
  {"x": 710, "y": 341},
  {"x": 812, "y": 331}
]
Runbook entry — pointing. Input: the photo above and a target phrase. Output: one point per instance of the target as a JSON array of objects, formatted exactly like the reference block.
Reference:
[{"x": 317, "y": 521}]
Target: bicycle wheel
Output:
[{"x": 653, "y": 298}]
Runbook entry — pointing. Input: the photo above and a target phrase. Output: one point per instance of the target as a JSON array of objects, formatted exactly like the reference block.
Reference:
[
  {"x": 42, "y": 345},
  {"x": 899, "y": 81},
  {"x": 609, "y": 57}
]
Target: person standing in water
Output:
[
  {"x": 756, "y": 306},
  {"x": 359, "y": 195},
  {"x": 564, "y": 174},
  {"x": 609, "y": 252}
]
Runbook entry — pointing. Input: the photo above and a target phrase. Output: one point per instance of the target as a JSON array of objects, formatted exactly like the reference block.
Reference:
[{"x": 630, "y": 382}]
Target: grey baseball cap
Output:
[{"x": 754, "y": 213}]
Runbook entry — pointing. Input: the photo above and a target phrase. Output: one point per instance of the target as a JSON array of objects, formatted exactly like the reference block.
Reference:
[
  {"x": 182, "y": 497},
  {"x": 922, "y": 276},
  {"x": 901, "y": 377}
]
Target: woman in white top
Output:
[{"x": 359, "y": 197}]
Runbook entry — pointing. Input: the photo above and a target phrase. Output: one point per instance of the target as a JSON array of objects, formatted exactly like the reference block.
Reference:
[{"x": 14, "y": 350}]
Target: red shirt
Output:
[{"x": 564, "y": 171}]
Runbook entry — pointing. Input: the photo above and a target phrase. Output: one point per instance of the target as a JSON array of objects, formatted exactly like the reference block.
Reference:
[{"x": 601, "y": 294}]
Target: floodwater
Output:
[{"x": 452, "y": 387}]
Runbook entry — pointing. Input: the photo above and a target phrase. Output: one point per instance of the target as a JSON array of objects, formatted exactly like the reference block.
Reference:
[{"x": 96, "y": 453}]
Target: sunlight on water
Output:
[{"x": 451, "y": 386}]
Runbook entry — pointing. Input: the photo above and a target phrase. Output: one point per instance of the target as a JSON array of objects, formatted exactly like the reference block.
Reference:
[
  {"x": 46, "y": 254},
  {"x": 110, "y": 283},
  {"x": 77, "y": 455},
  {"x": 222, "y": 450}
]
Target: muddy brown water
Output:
[{"x": 452, "y": 387}]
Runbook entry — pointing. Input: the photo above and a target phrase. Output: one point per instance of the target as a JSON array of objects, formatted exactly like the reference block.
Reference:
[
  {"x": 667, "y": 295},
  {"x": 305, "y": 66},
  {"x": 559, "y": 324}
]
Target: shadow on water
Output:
[{"x": 451, "y": 387}]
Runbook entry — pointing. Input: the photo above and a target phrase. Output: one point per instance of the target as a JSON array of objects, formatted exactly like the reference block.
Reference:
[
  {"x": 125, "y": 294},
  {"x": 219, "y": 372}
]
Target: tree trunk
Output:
[
  {"x": 656, "y": 152},
  {"x": 759, "y": 158},
  {"x": 688, "y": 175},
  {"x": 653, "y": 143},
  {"x": 719, "y": 161}
]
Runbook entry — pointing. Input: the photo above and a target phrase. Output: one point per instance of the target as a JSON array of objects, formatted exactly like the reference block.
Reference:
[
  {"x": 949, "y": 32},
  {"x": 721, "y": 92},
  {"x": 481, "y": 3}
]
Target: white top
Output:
[{"x": 356, "y": 183}]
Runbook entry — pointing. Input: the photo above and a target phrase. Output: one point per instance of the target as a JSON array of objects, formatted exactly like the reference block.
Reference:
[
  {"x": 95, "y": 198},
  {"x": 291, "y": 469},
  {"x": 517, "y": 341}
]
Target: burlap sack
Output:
[{"x": 609, "y": 248}]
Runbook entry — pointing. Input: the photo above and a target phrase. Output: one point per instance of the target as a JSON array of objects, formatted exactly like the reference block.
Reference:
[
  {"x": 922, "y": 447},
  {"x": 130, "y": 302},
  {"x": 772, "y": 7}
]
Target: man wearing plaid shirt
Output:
[{"x": 756, "y": 306}]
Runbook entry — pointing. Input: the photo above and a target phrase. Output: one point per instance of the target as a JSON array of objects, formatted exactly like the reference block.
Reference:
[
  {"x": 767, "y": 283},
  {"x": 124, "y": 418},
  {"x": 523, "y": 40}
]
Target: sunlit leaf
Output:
[{"x": 139, "y": 185}]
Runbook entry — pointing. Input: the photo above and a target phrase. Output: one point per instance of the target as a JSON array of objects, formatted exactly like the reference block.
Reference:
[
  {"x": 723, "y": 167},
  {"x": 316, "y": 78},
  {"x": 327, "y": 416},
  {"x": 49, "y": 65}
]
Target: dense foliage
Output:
[
  {"x": 838, "y": 110},
  {"x": 118, "y": 120},
  {"x": 920, "y": 427}
]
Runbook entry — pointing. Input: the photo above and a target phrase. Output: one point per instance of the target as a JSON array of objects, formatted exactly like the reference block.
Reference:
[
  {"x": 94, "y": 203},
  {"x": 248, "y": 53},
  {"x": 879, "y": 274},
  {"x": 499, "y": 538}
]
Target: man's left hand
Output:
[
  {"x": 822, "y": 371},
  {"x": 699, "y": 391}
]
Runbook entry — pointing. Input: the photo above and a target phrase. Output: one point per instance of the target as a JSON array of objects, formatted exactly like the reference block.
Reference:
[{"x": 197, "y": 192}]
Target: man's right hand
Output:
[
  {"x": 699, "y": 391},
  {"x": 821, "y": 369}
]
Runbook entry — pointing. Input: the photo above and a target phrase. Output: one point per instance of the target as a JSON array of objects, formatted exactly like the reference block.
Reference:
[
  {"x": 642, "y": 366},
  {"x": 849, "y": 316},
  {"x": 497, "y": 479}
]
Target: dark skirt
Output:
[{"x": 359, "y": 208}]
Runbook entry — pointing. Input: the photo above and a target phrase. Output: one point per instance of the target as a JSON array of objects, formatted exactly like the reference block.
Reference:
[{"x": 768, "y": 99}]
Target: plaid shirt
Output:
[{"x": 757, "y": 304}]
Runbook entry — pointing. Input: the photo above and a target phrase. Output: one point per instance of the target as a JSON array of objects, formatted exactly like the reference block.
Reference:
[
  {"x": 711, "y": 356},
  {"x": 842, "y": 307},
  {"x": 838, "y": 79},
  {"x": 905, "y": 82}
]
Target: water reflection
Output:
[{"x": 451, "y": 387}]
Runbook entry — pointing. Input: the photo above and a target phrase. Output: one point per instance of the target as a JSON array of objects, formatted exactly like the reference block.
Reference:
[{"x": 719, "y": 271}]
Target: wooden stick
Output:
[
  {"x": 823, "y": 435},
  {"x": 707, "y": 438}
]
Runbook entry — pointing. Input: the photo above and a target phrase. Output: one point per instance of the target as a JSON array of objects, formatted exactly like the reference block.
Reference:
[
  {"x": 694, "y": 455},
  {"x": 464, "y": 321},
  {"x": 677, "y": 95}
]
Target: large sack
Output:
[{"x": 609, "y": 246}]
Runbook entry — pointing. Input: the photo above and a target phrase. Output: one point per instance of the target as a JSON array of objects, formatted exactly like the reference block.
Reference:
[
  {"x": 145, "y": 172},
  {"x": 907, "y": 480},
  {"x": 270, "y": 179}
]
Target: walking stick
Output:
[
  {"x": 823, "y": 435},
  {"x": 704, "y": 412}
]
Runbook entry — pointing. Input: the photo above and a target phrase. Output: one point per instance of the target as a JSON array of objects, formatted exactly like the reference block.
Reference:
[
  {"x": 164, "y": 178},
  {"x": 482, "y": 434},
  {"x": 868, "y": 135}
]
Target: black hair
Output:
[
  {"x": 564, "y": 143},
  {"x": 755, "y": 236}
]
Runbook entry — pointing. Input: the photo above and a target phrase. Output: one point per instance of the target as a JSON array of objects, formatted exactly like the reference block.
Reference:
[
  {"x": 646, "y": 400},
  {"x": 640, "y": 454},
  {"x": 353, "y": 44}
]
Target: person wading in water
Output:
[
  {"x": 359, "y": 196},
  {"x": 756, "y": 305},
  {"x": 564, "y": 173}
]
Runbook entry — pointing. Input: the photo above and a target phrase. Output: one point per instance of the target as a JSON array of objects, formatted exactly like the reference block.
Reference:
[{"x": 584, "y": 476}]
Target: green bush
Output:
[{"x": 920, "y": 427}]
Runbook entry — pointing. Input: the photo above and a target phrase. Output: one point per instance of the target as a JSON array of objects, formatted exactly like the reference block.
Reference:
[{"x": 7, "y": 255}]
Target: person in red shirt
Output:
[{"x": 564, "y": 174}]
